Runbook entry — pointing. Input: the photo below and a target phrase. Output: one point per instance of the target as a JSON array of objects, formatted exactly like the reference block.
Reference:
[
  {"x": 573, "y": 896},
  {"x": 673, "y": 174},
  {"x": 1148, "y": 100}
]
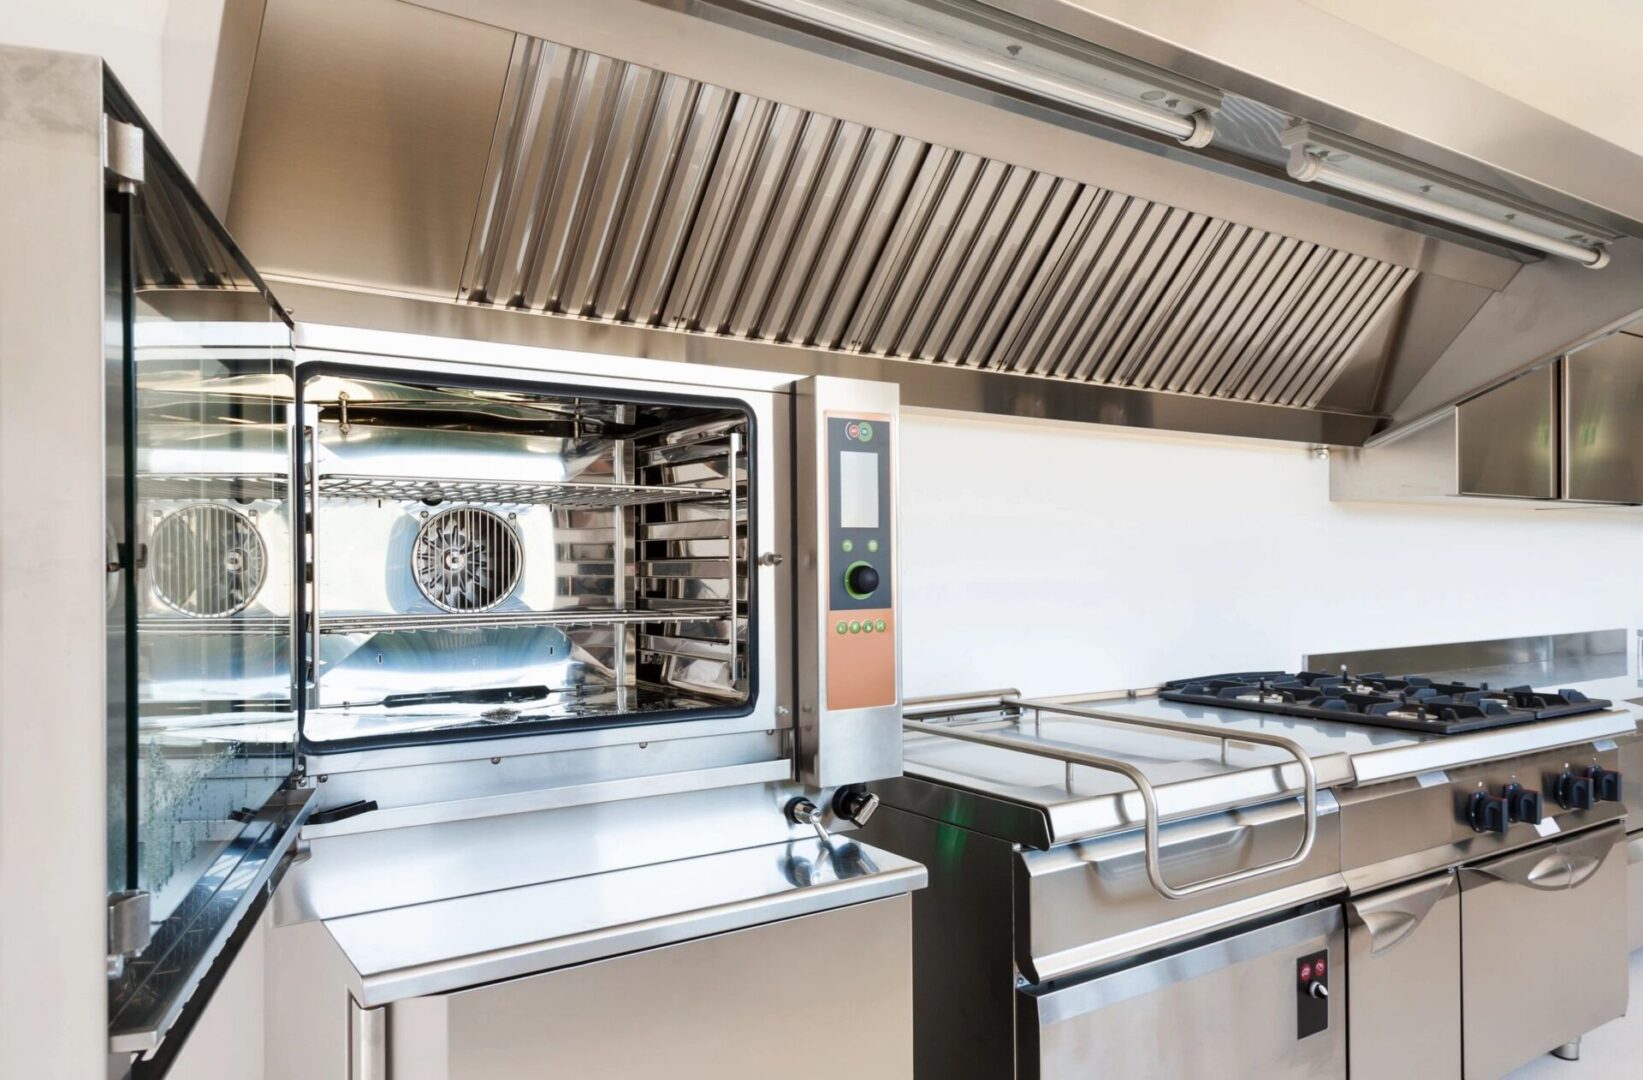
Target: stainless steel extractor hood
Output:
[{"x": 772, "y": 185}]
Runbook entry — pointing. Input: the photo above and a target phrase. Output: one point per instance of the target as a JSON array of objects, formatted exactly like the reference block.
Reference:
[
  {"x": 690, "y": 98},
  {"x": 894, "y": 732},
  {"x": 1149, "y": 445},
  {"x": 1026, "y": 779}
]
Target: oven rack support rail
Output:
[{"x": 1143, "y": 786}]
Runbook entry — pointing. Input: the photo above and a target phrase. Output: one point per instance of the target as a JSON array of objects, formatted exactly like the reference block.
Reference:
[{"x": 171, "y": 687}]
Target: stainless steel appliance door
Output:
[
  {"x": 1541, "y": 950},
  {"x": 1231, "y": 1009},
  {"x": 1403, "y": 979},
  {"x": 753, "y": 1003}
]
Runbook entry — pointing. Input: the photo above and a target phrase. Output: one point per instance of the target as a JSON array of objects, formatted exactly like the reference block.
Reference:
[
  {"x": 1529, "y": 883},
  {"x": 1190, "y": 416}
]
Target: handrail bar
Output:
[
  {"x": 1149, "y": 797},
  {"x": 978, "y": 696}
]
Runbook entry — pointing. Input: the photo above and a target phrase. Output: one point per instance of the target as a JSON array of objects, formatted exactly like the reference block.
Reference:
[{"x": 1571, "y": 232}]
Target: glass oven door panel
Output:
[
  {"x": 212, "y": 724},
  {"x": 215, "y": 726}
]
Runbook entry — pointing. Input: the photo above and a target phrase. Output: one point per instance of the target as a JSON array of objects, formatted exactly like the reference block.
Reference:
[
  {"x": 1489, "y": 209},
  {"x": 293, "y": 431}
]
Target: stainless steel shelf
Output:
[
  {"x": 212, "y": 485},
  {"x": 569, "y": 494},
  {"x": 385, "y": 624}
]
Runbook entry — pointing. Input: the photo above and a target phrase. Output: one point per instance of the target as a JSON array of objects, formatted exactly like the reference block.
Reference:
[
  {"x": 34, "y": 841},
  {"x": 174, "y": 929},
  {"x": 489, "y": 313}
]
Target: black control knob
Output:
[
  {"x": 855, "y": 803},
  {"x": 1522, "y": 804},
  {"x": 861, "y": 579},
  {"x": 1605, "y": 783},
  {"x": 1575, "y": 791},
  {"x": 1488, "y": 813}
]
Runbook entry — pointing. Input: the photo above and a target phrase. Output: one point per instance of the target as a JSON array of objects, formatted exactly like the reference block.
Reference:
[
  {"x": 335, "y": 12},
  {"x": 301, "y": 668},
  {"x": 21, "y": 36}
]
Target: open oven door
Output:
[{"x": 203, "y": 808}]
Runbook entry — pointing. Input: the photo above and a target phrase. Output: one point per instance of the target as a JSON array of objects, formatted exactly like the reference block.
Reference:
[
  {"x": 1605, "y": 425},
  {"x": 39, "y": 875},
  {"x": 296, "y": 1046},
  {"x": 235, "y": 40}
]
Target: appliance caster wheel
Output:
[{"x": 1569, "y": 1051}]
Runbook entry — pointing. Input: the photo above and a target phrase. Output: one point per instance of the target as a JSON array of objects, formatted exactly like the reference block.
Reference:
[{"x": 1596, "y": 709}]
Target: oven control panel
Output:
[
  {"x": 844, "y": 511},
  {"x": 1312, "y": 993},
  {"x": 861, "y": 656}
]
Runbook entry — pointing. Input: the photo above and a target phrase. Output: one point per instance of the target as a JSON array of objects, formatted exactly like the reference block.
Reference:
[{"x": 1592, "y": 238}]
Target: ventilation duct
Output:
[{"x": 620, "y": 193}]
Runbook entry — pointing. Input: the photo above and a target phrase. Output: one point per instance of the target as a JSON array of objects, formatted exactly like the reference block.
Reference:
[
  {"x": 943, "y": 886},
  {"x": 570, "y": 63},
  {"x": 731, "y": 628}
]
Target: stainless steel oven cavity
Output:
[{"x": 485, "y": 555}]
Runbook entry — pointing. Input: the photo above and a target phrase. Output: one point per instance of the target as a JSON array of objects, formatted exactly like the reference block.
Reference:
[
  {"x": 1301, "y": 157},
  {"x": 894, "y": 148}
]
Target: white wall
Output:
[
  {"x": 127, "y": 34},
  {"x": 1059, "y": 558},
  {"x": 186, "y": 63}
]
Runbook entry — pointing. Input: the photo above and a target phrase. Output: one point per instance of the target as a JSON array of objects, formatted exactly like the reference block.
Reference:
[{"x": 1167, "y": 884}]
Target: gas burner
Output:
[{"x": 1412, "y": 702}]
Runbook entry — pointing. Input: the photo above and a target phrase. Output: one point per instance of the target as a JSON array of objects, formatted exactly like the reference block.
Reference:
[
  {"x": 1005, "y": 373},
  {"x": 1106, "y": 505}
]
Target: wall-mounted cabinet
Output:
[
  {"x": 1567, "y": 432},
  {"x": 1603, "y": 421}
]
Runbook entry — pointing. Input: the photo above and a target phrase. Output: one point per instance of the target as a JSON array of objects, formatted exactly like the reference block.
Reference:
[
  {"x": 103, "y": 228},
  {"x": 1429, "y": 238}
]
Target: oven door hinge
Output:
[
  {"x": 123, "y": 153},
  {"x": 128, "y": 929}
]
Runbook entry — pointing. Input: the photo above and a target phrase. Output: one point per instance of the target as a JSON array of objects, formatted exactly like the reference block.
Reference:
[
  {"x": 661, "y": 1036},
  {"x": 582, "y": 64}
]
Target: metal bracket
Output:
[
  {"x": 128, "y": 928},
  {"x": 123, "y": 152}
]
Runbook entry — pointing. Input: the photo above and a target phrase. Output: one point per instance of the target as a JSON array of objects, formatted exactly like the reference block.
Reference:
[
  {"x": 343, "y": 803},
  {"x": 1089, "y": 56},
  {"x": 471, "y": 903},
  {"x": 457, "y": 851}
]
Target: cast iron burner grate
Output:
[{"x": 1410, "y": 702}]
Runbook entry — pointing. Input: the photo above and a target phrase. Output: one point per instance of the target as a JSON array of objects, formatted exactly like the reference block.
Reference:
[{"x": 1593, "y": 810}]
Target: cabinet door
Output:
[
  {"x": 1602, "y": 441},
  {"x": 1544, "y": 933},
  {"x": 201, "y": 597},
  {"x": 1507, "y": 439},
  {"x": 1403, "y": 972}
]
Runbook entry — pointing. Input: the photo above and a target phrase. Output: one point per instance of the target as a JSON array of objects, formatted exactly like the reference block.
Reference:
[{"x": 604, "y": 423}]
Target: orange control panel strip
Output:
[{"x": 861, "y": 658}]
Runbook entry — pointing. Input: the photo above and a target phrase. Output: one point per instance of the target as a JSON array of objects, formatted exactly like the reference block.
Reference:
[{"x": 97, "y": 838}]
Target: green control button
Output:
[
  {"x": 872, "y": 545},
  {"x": 867, "y": 627},
  {"x": 842, "y": 627},
  {"x": 855, "y": 627},
  {"x": 879, "y": 626},
  {"x": 849, "y": 545}
]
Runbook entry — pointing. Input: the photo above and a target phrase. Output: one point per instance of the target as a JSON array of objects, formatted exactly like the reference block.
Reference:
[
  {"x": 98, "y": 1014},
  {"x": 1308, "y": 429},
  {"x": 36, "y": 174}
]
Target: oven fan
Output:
[
  {"x": 466, "y": 559},
  {"x": 208, "y": 561}
]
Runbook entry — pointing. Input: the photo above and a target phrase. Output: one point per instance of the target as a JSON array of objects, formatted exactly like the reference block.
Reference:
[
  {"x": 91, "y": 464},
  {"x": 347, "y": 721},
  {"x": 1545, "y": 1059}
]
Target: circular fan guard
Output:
[
  {"x": 207, "y": 560},
  {"x": 466, "y": 559}
]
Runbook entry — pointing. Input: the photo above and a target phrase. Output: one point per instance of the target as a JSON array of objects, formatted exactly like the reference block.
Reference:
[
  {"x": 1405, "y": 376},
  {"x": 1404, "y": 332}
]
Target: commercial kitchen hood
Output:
[{"x": 1017, "y": 219}]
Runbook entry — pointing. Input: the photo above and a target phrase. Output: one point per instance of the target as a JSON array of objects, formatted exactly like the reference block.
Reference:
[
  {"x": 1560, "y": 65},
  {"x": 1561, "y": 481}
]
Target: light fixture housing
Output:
[
  {"x": 1319, "y": 156},
  {"x": 987, "y": 45}
]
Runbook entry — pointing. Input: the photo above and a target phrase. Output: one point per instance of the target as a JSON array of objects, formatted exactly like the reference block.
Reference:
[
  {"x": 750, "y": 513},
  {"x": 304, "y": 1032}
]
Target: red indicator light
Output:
[
  {"x": 1306, "y": 973},
  {"x": 1319, "y": 968}
]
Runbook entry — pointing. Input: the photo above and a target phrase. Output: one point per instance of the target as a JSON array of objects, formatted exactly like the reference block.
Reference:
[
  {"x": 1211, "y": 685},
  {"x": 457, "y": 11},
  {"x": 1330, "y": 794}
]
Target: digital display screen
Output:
[{"x": 858, "y": 490}]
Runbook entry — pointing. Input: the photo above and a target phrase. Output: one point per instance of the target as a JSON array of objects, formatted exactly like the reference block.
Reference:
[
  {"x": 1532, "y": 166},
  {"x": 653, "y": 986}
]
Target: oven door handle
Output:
[{"x": 1566, "y": 866}]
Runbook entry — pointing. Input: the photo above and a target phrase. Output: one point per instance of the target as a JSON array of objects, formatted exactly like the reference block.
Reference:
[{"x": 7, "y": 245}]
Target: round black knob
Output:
[{"x": 861, "y": 579}]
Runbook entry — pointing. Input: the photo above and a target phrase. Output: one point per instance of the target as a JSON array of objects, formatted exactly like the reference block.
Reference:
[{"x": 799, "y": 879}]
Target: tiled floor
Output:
[{"x": 1613, "y": 1050}]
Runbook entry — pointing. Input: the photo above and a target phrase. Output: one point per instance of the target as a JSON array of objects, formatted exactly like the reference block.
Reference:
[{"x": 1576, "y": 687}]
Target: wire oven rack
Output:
[
  {"x": 378, "y": 624},
  {"x": 569, "y": 494},
  {"x": 201, "y": 485}
]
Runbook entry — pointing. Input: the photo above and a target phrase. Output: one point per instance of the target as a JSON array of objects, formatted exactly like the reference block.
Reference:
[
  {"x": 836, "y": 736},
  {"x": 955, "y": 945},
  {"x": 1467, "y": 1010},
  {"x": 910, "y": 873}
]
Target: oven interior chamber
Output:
[{"x": 491, "y": 556}]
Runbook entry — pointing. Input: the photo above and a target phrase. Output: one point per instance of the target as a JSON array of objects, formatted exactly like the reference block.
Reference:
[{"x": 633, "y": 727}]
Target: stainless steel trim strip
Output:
[
  {"x": 1460, "y": 655},
  {"x": 1457, "y": 750},
  {"x": 367, "y": 1042}
]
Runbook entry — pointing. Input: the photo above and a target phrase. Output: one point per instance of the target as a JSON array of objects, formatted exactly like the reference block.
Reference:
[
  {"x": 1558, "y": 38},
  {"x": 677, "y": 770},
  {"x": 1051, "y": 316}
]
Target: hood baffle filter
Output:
[
  {"x": 466, "y": 559},
  {"x": 208, "y": 561}
]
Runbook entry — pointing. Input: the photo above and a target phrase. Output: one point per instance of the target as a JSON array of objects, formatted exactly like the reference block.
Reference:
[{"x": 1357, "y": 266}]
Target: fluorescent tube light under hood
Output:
[
  {"x": 985, "y": 44},
  {"x": 1336, "y": 161}
]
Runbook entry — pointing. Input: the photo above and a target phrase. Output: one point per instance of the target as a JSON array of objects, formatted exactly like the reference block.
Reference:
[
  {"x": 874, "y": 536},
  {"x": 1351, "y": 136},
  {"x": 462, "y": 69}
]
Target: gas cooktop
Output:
[{"x": 1410, "y": 702}]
